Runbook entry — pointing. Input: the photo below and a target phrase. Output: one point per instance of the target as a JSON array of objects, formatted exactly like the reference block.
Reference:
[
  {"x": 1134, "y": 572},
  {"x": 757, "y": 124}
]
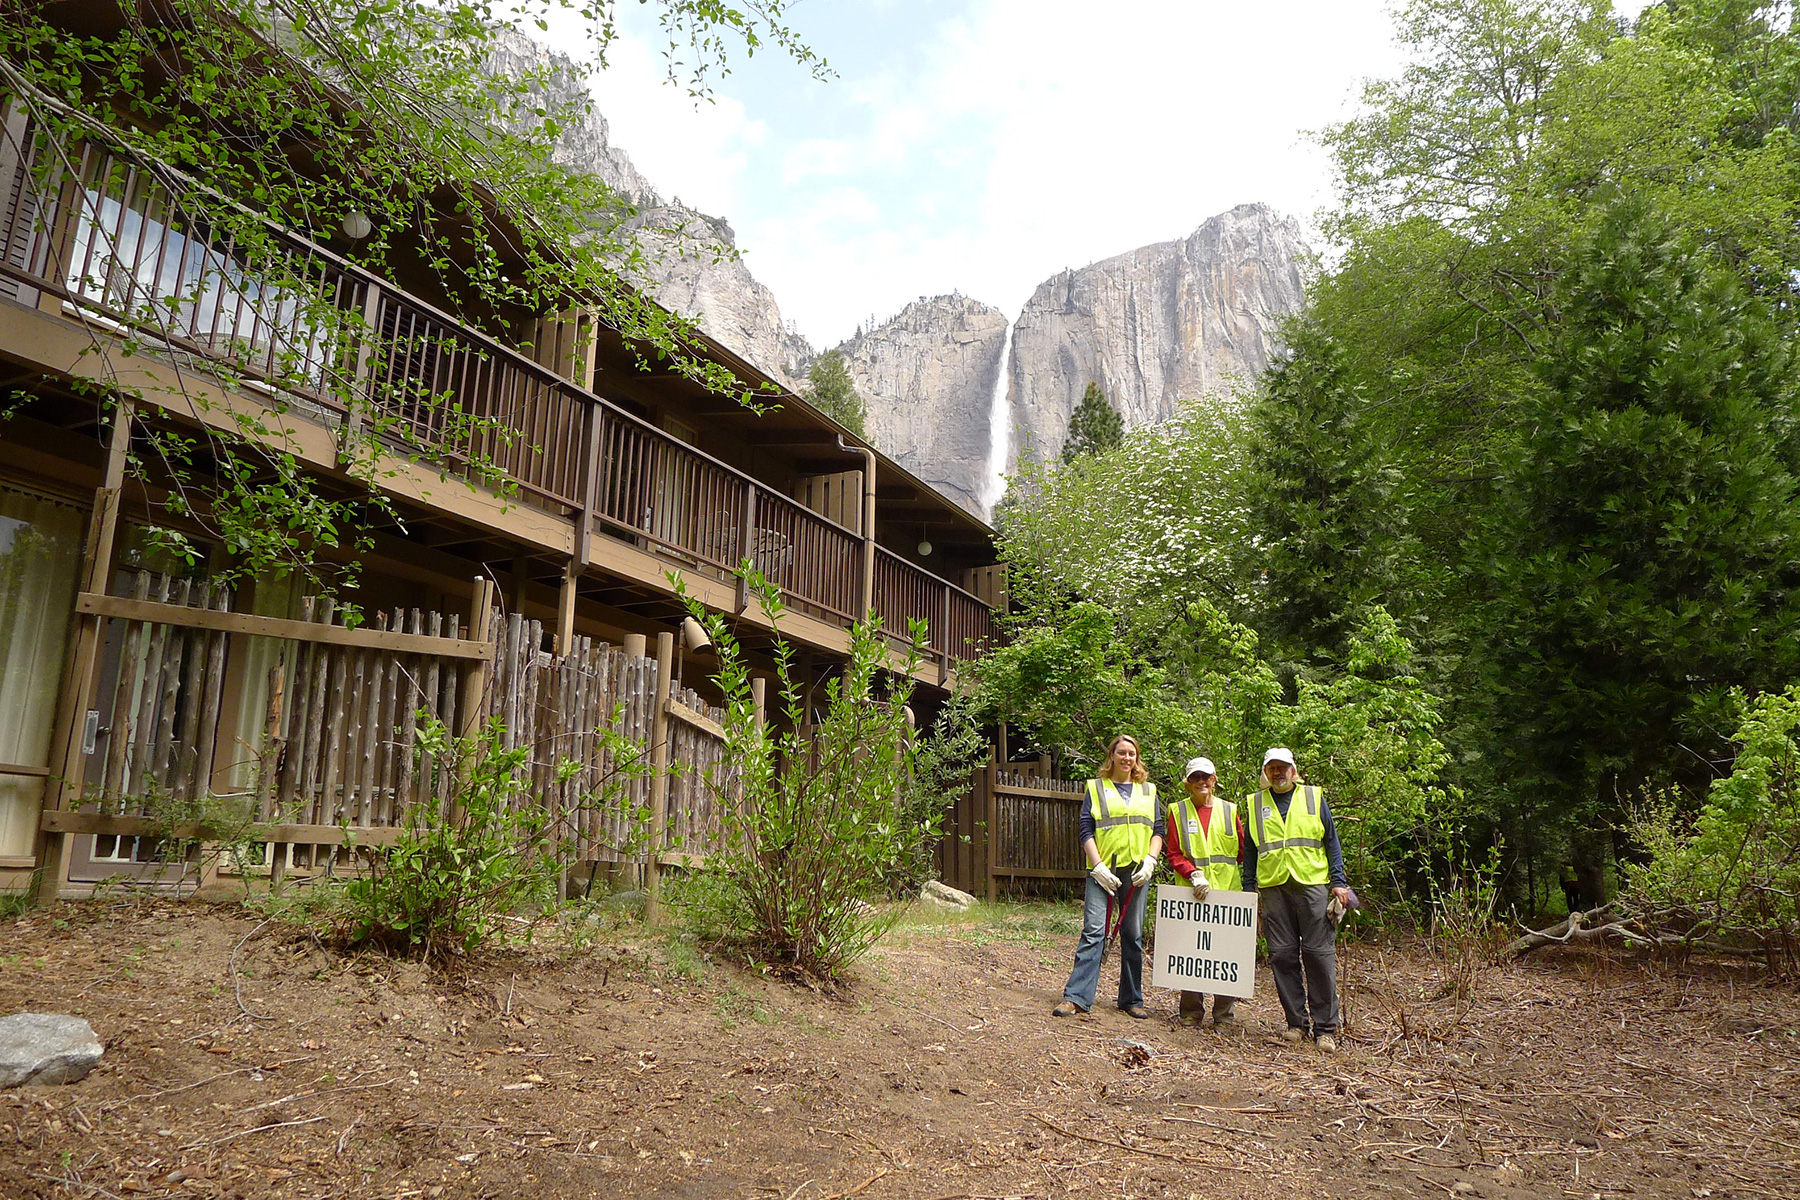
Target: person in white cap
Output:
[
  {"x": 1295, "y": 864},
  {"x": 1205, "y": 841}
]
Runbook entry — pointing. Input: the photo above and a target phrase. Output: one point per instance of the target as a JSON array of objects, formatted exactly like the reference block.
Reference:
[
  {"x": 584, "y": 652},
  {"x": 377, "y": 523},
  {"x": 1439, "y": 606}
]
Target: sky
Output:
[{"x": 982, "y": 146}]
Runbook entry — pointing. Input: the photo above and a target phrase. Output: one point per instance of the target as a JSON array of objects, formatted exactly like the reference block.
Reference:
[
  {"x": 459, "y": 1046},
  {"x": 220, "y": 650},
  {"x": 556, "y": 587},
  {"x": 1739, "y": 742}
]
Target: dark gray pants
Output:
[{"x": 1302, "y": 954}]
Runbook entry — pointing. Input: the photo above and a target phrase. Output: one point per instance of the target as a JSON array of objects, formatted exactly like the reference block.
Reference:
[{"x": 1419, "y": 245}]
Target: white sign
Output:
[{"x": 1205, "y": 945}]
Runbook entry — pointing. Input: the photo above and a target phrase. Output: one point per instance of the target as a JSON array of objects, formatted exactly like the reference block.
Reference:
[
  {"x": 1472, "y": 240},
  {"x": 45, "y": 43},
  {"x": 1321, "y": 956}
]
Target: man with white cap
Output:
[
  {"x": 1205, "y": 843},
  {"x": 1294, "y": 862}
]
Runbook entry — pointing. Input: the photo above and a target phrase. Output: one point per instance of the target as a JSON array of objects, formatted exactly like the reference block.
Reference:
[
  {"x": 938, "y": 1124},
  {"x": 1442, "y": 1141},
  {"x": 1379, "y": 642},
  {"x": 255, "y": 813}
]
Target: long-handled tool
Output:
[{"x": 1122, "y": 898}]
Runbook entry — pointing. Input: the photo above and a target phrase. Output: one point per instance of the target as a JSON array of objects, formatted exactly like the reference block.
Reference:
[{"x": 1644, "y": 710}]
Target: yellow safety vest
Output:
[
  {"x": 1214, "y": 850},
  {"x": 1122, "y": 827},
  {"x": 1292, "y": 847}
]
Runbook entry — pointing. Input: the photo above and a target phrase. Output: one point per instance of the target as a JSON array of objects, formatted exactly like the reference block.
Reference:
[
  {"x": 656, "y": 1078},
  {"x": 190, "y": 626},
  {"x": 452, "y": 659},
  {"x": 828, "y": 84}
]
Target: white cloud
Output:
[
  {"x": 695, "y": 150},
  {"x": 1005, "y": 143},
  {"x": 817, "y": 157}
]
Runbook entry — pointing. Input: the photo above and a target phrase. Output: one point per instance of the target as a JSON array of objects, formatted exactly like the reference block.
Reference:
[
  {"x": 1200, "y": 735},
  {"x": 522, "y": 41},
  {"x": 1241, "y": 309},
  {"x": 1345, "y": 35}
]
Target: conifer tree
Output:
[
  {"x": 833, "y": 392},
  {"x": 1645, "y": 561},
  {"x": 1095, "y": 426},
  {"x": 1324, "y": 496}
]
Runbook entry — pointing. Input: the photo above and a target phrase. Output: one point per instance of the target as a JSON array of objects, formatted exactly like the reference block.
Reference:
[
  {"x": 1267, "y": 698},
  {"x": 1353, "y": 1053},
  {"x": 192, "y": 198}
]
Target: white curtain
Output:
[{"x": 40, "y": 555}]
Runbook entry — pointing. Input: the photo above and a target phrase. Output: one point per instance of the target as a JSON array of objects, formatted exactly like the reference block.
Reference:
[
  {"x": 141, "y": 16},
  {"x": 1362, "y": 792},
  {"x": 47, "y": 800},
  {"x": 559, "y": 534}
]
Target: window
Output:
[{"x": 40, "y": 557}]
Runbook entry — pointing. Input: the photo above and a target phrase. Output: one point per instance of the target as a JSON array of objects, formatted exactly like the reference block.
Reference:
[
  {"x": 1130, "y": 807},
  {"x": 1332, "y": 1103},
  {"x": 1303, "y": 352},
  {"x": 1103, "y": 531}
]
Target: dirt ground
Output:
[{"x": 625, "y": 1064}]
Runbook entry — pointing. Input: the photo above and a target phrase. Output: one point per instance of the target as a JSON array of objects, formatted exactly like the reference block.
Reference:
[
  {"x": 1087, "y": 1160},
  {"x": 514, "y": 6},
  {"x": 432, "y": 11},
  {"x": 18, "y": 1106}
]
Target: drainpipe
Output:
[{"x": 868, "y": 529}]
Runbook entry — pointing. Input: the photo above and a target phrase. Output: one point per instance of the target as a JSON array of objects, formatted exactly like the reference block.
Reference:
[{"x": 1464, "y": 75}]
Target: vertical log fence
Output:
[
  {"x": 1016, "y": 830},
  {"x": 340, "y": 764}
]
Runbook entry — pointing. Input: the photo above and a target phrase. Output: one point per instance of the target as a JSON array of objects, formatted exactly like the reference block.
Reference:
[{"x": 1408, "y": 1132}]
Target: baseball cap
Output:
[
  {"x": 1278, "y": 754},
  {"x": 1199, "y": 766}
]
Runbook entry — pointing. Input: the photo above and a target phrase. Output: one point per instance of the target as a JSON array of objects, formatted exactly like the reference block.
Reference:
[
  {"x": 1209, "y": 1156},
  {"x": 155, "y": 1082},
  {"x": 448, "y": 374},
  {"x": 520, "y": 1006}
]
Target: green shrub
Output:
[
  {"x": 813, "y": 826},
  {"x": 1729, "y": 878},
  {"x": 481, "y": 850}
]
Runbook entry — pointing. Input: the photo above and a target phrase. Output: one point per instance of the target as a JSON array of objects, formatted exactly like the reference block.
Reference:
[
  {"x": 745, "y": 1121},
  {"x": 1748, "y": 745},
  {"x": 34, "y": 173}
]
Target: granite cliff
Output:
[
  {"x": 1156, "y": 326},
  {"x": 927, "y": 378},
  {"x": 690, "y": 263}
]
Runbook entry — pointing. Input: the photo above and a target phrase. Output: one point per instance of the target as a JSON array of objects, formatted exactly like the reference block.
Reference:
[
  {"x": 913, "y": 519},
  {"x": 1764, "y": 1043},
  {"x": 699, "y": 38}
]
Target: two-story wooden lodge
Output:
[{"x": 614, "y": 477}]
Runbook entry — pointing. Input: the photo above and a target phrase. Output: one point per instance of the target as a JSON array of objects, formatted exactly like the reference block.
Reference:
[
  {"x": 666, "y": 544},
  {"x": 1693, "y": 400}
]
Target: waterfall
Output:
[{"x": 999, "y": 432}]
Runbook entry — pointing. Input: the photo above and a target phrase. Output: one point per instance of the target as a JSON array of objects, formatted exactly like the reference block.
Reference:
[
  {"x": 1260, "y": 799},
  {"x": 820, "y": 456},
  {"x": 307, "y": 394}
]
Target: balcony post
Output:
[
  {"x": 941, "y": 639},
  {"x": 590, "y": 489},
  {"x": 868, "y": 522},
  {"x": 68, "y": 762},
  {"x": 745, "y": 534}
]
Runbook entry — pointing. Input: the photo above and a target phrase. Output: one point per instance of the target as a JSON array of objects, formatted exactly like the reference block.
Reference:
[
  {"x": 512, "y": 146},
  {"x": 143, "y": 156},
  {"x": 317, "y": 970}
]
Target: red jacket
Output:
[{"x": 1175, "y": 843}]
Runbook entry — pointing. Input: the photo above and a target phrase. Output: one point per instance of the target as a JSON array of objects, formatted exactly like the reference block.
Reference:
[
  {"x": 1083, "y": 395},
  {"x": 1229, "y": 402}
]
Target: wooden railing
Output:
[
  {"x": 959, "y": 625},
  {"x": 133, "y": 244}
]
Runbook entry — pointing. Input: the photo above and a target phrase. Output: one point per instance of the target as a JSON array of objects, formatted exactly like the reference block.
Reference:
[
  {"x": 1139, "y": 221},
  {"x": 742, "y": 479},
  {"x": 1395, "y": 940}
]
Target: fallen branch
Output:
[
  {"x": 858, "y": 1188},
  {"x": 1587, "y": 927},
  {"x": 1122, "y": 1145},
  {"x": 247, "y": 1132},
  {"x": 237, "y": 981},
  {"x": 1577, "y": 927}
]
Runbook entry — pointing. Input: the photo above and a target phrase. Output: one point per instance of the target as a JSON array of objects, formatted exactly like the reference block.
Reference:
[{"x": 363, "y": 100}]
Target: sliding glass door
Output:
[{"x": 40, "y": 555}]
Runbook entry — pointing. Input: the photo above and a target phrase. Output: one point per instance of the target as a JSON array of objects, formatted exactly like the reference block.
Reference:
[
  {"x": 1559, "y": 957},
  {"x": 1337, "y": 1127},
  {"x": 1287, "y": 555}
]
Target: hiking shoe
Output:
[
  {"x": 1224, "y": 1020},
  {"x": 1138, "y": 1011},
  {"x": 1326, "y": 1042},
  {"x": 1067, "y": 1008},
  {"x": 1290, "y": 1034},
  {"x": 1189, "y": 1020}
]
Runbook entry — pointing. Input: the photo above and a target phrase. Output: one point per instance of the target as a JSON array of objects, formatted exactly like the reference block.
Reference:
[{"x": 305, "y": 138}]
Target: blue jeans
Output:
[{"x": 1085, "y": 978}]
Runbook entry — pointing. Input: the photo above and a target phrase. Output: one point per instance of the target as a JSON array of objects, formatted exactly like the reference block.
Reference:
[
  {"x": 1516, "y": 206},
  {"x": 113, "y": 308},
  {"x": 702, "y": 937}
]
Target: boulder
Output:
[
  {"x": 942, "y": 895},
  {"x": 46, "y": 1048}
]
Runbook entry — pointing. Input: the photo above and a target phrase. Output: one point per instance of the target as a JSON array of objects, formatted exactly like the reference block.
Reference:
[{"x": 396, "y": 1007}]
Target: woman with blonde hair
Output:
[{"x": 1121, "y": 834}]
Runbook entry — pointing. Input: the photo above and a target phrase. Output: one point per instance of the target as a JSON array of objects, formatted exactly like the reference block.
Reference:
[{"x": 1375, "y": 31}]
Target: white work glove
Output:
[
  {"x": 1103, "y": 875},
  {"x": 1201, "y": 888},
  {"x": 1145, "y": 870}
]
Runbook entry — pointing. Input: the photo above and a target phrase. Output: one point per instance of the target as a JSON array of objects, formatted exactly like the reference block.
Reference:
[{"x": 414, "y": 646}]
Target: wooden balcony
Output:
[{"x": 94, "y": 232}]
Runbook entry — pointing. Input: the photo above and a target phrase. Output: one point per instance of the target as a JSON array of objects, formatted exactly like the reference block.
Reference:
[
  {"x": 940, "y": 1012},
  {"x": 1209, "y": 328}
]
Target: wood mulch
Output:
[{"x": 244, "y": 1060}]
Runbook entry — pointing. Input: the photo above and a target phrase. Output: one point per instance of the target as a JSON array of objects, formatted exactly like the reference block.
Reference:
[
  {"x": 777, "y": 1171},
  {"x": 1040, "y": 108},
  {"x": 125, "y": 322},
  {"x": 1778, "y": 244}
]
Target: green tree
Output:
[
  {"x": 1160, "y": 517},
  {"x": 833, "y": 392},
  {"x": 1644, "y": 564},
  {"x": 1466, "y": 183},
  {"x": 1323, "y": 495},
  {"x": 1094, "y": 426}
]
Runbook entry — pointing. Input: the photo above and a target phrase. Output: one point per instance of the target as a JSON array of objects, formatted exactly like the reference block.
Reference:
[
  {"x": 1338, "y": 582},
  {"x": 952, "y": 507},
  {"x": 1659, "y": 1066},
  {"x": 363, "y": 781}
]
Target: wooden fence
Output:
[
  {"x": 338, "y": 764},
  {"x": 1017, "y": 829},
  {"x": 340, "y": 711}
]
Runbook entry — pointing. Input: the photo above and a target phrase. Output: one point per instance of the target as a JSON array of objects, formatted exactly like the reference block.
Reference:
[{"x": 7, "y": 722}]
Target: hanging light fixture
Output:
[
  {"x": 356, "y": 225},
  {"x": 924, "y": 542}
]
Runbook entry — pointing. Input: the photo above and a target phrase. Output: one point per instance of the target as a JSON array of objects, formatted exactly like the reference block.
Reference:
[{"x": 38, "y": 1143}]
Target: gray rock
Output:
[
  {"x": 944, "y": 896},
  {"x": 689, "y": 262},
  {"x": 46, "y": 1048},
  {"x": 927, "y": 377},
  {"x": 690, "y": 267},
  {"x": 1156, "y": 327},
  {"x": 584, "y": 144}
]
